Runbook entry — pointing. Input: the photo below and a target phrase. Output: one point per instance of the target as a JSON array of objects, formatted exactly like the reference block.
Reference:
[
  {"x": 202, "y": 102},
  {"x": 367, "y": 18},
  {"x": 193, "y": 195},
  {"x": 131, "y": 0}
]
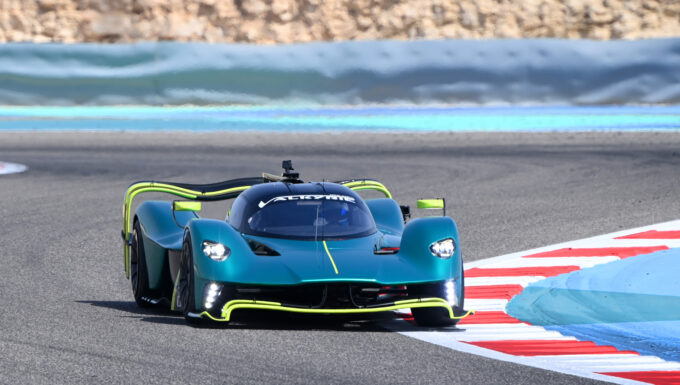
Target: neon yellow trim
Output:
[
  {"x": 325, "y": 246},
  {"x": 377, "y": 188},
  {"x": 230, "y": 306},
  {"x": 174, "y": 290},
  {"x": 143, "y": 187},
  {"x": 368, "y": 185},
  {"x": 186, "y": 206},
  {"x": 469, "y": 312},
  {"x": 430, "y": 203},
  {"x": 126, "y": 216}
]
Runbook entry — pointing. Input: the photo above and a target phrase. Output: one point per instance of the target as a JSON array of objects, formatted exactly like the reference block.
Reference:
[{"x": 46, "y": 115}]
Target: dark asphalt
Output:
[{"x": 67, "y": 314}]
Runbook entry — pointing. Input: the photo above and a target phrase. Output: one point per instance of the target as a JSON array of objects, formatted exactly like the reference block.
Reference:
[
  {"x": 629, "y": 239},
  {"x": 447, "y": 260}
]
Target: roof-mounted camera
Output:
[{"x": 288, "y": 170}]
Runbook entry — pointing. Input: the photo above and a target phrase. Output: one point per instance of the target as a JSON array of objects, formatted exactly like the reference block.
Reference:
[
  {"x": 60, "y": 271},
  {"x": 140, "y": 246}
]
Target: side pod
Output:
[
  {"x": 160, "y": 233},
  {"x": 160, "y": 225}
]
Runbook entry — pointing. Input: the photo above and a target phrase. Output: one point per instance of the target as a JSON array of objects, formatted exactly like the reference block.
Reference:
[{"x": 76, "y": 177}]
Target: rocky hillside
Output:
[{"x": 288, "y": 21}]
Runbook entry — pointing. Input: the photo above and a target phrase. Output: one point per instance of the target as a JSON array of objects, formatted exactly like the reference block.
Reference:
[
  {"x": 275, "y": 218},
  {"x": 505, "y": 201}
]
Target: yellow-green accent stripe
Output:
[
  {"x": 186, "y": 206},
  {"x": 230, "y": 306},
  {"x": 325, "y": 246},
  {"x": 368, "y": 185}
]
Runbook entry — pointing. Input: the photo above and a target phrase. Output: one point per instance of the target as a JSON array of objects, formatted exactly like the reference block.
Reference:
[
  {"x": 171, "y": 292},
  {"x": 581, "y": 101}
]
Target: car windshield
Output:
[{"x": 311, "y": 219}]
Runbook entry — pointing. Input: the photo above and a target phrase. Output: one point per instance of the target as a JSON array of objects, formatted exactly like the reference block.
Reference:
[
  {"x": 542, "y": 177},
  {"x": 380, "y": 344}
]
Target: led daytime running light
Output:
[{"x": 212, "y": 292}]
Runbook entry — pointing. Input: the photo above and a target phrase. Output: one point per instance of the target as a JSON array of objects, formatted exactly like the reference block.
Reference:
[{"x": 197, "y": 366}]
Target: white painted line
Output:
[
  {"x": 488, "y": 281},
  {"x": 490, "y": 335},
  {"x": 498, "y": 332},
  {"x": 11, "y": 168},
  {"x": 670, "y": 243},
  {"x": 613, "y": 362},
  {"x": 599, "y": 243},
  {"x": 517, "y": 326},
  {"x": 582, "y": 262},
  {"x": 486, "y": 304}
]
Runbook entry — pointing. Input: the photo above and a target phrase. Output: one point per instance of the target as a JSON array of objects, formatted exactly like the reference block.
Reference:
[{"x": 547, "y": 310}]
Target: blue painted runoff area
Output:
[
  {"x": 632, "y": 304},
  {"x": 419, "y": 118}
]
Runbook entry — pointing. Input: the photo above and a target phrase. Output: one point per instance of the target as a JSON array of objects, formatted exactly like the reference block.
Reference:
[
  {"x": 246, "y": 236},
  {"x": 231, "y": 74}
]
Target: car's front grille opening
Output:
[{"x": 329, "y": 296}]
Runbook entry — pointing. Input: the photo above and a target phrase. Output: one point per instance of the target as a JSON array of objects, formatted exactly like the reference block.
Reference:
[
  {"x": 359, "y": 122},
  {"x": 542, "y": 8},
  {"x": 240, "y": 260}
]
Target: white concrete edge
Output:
[
  {"x": 576, "y": 243},
  {"x": 11, "y": 168}
]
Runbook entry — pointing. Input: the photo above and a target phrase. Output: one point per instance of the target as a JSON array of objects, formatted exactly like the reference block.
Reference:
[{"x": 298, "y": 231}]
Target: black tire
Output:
[
  {"x": 432, "y": 317},
  {"x": 436, "y": 316},
  {"x": 185, "y": 287},
  {"x": 139, "y": 274}
]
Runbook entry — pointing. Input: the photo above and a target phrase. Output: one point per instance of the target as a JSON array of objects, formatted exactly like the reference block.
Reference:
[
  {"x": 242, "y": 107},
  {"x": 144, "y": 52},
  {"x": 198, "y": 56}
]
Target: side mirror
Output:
[
  {"x": 186, "y": 206},
  {"x": 405, "y": 212},
  {"x": 438, "y": 203}
]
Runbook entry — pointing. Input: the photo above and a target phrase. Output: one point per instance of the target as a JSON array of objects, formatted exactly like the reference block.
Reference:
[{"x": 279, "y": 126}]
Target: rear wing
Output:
[{"x": 199, "y": 192}]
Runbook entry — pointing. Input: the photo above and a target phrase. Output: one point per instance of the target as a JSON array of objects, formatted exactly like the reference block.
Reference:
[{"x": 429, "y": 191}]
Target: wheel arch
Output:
[
  {"x": 420, "y": 233},
  {"x": 206, "y": 270}
]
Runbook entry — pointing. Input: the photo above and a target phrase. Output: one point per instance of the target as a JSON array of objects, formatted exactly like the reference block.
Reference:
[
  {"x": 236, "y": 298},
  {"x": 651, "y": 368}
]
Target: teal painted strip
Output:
[
  {"x": 296, "y": 118},
  {"x": 632, "y": 304},
  {"x": 552, "y": 306},
  {"x": 319, "y": 111}
]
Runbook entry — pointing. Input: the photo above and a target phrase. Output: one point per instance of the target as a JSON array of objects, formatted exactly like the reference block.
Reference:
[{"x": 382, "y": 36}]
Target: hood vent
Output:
[{"x": 262, "y": 249}]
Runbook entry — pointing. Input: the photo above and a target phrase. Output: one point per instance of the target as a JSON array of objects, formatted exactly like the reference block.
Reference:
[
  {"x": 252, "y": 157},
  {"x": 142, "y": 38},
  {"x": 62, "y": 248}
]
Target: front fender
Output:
[
  {"x": 419, "y": 234},
  {"x": 217, "y": 231},
  {"x": 206, "y": 269}
]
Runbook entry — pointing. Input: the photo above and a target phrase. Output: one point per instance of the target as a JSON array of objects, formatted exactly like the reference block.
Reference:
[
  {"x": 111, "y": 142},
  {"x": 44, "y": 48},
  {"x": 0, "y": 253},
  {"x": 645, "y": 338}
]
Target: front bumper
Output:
[{"x": 236, "y": 304}]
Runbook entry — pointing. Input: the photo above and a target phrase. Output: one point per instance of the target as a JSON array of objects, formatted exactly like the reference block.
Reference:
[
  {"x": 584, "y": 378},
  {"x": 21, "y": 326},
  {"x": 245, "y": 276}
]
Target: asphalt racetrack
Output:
[{"x": 68, "y": 315}]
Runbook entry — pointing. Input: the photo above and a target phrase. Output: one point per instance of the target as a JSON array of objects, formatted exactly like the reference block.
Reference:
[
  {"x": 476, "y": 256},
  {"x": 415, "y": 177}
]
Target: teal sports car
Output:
[{"x": 289, "y": 245}]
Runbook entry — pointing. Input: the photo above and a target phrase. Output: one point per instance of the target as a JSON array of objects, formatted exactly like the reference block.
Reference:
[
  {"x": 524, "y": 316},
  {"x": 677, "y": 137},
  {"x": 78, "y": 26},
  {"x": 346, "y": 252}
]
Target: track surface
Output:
[{"x": 67, "y": 310}]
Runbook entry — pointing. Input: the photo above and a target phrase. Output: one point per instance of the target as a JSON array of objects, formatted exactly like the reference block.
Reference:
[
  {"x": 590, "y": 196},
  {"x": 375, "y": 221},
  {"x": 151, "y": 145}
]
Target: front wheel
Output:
[
  {"x": 139, "y": 274},
  {"x": 185, "y": 297}
]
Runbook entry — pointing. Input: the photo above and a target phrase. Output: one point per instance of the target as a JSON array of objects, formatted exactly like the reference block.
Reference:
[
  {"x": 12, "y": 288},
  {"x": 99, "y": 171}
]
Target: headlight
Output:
[
  {"x": 216, "y": 251},
  {"x": 443, "y": 249}
]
